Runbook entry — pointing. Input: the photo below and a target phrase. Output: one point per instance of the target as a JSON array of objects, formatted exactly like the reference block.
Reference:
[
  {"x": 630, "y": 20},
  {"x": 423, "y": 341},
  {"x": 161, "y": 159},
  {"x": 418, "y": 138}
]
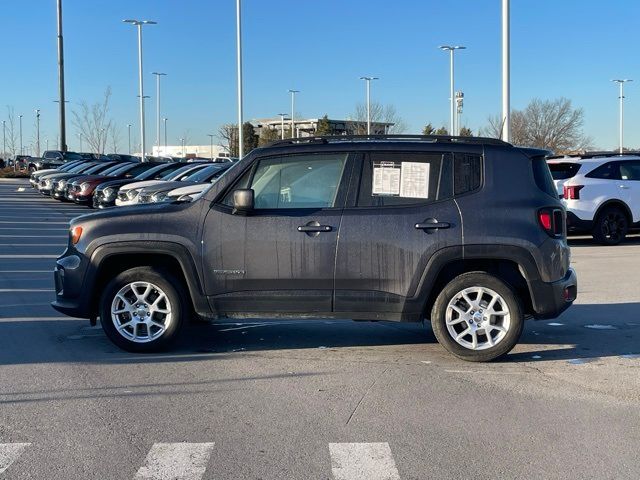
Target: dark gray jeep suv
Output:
[{"x": 468, "y": 233}]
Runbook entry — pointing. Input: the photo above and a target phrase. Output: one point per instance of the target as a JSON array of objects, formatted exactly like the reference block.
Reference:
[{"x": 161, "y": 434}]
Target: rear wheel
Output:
[
  {"x": 611, "y": 226},
  {"x": 143, "y": 309},
  {"x": 477, "y": 317}
]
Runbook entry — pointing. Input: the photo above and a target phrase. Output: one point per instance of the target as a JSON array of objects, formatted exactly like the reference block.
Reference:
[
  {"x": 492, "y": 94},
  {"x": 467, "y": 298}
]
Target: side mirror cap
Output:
[{"x": 243, "y": 201}]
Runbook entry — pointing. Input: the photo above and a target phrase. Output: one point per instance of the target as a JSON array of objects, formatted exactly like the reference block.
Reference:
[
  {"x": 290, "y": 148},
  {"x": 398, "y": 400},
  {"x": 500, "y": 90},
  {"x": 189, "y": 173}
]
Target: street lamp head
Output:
[
  {"x": 451, "y": 47},
  {"x": 624, "y": 80},
  {"x": 294, "y": 91},
  {"x": 140, "y": 22},
  {"x": 369, "y": 78},
  {"x": 158, "y": 73}
]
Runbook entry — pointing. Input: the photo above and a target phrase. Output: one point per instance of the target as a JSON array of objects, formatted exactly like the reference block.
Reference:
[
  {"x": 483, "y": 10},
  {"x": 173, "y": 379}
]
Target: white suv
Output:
[{"x": 602, "y": 195}]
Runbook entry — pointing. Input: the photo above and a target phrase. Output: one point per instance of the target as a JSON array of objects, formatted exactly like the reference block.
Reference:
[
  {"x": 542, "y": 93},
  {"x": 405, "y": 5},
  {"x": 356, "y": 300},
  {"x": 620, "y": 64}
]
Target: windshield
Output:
[
  {"x": 203, "y": 174},
  {"x": 82, "y": 167},
  {"x": 119, "y": 169},
  {"x": 178, "y": 174},
  {"x": 564, "y": 170},
  {"x": 101, "y": 167},
  {"x": 72, "y": 156}
]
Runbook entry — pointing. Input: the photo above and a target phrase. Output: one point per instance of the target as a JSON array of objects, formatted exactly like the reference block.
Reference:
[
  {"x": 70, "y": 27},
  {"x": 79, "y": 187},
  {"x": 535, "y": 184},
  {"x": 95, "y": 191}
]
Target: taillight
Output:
[
  {"x": 552, "y": 221},
  {"x": 572, "y": 192}
]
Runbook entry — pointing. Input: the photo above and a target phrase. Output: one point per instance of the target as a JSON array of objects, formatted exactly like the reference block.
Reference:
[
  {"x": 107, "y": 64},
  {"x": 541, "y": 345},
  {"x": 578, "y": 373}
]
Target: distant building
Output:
[
  {"x": 307, "y": 127},
  {"x": 190, "y": 151}
]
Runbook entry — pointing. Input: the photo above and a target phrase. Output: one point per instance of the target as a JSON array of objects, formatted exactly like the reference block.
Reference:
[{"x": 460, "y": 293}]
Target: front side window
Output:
[
  {"x": 630, "y": 170},
  {"x": 395, "y": 179},
  {"x": 298, "y": 181}
]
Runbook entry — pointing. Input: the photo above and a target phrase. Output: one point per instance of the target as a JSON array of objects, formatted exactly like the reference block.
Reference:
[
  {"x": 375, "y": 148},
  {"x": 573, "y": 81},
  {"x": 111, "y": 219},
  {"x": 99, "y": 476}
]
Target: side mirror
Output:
[{"x": 242, "y": 201}]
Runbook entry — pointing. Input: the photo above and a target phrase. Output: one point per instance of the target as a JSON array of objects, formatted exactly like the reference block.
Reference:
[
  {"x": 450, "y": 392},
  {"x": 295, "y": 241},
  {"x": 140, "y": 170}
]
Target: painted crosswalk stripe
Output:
[
  {"x": 9, "y": 453},
  {"x": 176, "y": 461},
  {"x": 362, "y": 461}
]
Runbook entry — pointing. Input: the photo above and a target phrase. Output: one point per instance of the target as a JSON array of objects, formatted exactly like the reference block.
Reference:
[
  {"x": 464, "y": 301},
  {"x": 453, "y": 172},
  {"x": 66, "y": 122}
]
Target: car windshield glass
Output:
[
  {"x": 564, "y": 170},
  {"x": 83, "y": 167},
  {"x": 151, "y": 172},
  {"x": 177, "y": 174},
  {"x": 202, "y": 175},
  {"x": 119, "y": 169},
  {"x": 109, "y": 168},
  {"x": 100, "y": 168},
  {"x": 72, "y": 156}
]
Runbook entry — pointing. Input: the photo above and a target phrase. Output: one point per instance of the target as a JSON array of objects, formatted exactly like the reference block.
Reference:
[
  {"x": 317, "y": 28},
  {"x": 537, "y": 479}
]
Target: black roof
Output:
[{"x": 390, "y": 138}]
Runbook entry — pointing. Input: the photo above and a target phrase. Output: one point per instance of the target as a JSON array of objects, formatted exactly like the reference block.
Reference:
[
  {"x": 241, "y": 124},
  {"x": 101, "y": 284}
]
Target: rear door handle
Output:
[
  {"x": 314, "y": 228},
  {"x": 432, "y": 224},
  {"x": 623, "y": 186}
]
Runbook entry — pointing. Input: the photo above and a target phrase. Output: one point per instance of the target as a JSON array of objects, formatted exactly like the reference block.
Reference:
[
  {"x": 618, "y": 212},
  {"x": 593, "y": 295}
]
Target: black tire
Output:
[
  {"x": 176, "y": 299},
  {"x": 450, "y": 291},
  {"x": 611, "y": 226}
]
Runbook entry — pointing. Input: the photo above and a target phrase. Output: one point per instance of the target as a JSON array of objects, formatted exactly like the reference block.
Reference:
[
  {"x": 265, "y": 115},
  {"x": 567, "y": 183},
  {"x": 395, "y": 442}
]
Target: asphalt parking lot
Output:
[{"x": 310, "y": 399}]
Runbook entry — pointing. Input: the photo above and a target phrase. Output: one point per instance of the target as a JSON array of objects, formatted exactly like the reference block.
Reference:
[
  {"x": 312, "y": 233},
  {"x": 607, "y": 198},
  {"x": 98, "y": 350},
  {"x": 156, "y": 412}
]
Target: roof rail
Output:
[
  {"x": 376, "y": 138},
  {"x": 586, "y": 155}
]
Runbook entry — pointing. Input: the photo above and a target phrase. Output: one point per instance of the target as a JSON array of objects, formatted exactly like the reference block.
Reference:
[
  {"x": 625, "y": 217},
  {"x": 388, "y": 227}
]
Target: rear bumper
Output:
[
  {"x": 551, "y": 299},
  {"x": 575, "y": 224}
]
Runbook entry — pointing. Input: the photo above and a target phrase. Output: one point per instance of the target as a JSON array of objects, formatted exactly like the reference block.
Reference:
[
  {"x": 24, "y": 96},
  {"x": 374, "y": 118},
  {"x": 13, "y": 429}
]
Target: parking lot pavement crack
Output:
[{"x": 365, "y": 394}]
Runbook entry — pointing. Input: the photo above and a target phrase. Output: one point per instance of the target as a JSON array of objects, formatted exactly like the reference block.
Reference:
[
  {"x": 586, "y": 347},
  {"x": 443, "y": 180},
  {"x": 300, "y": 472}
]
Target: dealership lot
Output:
[{"x": 310, "y": 399}]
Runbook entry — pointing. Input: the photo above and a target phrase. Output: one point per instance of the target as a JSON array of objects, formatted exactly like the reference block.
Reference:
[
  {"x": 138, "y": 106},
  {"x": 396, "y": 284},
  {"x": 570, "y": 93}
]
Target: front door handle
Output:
[{"x": 432, "y": 224}]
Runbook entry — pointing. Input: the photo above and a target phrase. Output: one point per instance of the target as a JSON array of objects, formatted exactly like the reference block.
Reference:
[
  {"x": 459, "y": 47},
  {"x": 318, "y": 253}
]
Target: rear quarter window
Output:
[
  {"x": 542, "y": 176},
  {"x": 608, "y": 171},
  {"x": 467, "y": 171}
]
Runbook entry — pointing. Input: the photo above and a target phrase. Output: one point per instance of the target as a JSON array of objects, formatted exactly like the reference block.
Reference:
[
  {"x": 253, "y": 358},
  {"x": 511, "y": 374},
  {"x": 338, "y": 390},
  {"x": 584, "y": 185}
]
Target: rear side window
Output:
[
  {"x": 608, "y": 171},
  {"x": 564, "y": 170},
  {"x": 542, "y": 176},
  {"x": 396, "y": 179},
  {"x": 467, "y": 171}
]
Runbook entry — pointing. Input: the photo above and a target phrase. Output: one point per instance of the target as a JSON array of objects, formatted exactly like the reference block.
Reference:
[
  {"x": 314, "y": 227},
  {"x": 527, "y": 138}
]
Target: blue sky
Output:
[{"x": 569, "y": 48}]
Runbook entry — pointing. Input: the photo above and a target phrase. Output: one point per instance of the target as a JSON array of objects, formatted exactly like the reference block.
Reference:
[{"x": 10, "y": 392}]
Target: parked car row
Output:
[
  {"x": 124, "y": 180},
  {"x": 601, "y": 193}
]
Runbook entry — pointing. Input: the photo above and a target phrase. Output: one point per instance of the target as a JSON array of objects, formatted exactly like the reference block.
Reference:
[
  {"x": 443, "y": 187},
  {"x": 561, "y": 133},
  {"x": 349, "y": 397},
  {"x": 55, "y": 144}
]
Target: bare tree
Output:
[
  {"x": 229, "y": 134},
  {"x": 12, "y": 134},
  {"x": 93, "y": 122},
  {"x": 115, "y": 139},
  {"x": 379, "y": 113},
  {"x": 551, "y": 124}
]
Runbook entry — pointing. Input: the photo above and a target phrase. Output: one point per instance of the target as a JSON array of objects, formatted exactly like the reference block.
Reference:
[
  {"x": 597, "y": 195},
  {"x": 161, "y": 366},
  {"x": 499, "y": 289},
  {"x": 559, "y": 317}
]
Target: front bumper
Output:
[
  {"x": 553, "y": 298},
  {"x": 68, "y": 277}
]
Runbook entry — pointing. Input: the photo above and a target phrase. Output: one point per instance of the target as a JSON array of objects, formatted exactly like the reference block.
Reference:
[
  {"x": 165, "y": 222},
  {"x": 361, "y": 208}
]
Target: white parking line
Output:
[
  {"x": 362, "y": 461},
  {"x": 29, "y": 256},
  {"x": 179, "y": 461},
  {"x": 9, "y": 453},
  {"x": 23, "y": 290}
]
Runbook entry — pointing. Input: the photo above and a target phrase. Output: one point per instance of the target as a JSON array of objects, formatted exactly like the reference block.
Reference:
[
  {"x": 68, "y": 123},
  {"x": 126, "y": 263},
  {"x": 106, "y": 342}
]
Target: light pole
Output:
[
  {"x": 20, "y": 117},
  {"x": 158, "y": 75},
  {"x": 451, "y": 50},
  {"x": 621, "y": 83},
  {"x": 506, "y": 73},
  {"x": 239, "y": 68},
  {"x": 182, "y": 143},
  {"x": 165, "y": 135},
  {"x": 139, "y": 24},
  {"x": 282, "y": 115},
  {"x": 293, "y": 106},
  {"x": 4, "y": 138},
  {"x": 129, "y": 134},
  {"x": 63, "y": 128},
  {"x": 210, "y": 144},
  {"x": 368, "y": 82},
  {"x": 37, "y": 132},
  {"x": 459, "y": 107}
]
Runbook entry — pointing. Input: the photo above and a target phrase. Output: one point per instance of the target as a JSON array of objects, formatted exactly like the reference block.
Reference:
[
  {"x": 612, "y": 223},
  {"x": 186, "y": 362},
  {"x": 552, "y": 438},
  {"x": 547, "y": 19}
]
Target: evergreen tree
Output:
[
  {"x": 250, "y": 139},
  {"x": 268, "y": 135},
  {"x": 324, "y": 127},
  {"x": 428, "y": 129},
  {"x": 465, "y": 132},
  {"x": 441, "y": 131}
]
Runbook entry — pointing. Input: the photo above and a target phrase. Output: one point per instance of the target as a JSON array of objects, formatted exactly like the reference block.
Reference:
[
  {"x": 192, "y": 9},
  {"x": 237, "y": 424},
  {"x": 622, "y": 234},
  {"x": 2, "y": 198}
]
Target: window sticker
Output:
[
  {"x": 386, "y": 179},
  {"x": 414, "y": 180}
]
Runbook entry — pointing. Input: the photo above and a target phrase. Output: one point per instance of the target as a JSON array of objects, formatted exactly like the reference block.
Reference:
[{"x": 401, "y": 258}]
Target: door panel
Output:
[
  {"x": 278, "y": 259},
  {"x": 382, "y": 254}
]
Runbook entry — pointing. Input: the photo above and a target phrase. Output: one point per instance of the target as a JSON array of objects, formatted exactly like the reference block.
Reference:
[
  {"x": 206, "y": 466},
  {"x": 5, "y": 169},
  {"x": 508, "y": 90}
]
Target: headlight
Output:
[
  {"x": 84, "y": 186},
  {"x": 62, "y": 183},
  {"x": 47, "y": 183},
  {"x": 187, "y": 197},
  {"x": 158, "y": 197},
  {"x": 108, "y": 192},
  {"x": 133, "y": 193}
]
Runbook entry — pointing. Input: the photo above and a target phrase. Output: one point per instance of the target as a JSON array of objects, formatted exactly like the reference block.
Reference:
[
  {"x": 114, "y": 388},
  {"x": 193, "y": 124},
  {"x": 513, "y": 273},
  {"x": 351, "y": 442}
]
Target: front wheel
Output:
[
  {"x": 142, "y": 309},
  {"x": 477, "y": 317}
]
